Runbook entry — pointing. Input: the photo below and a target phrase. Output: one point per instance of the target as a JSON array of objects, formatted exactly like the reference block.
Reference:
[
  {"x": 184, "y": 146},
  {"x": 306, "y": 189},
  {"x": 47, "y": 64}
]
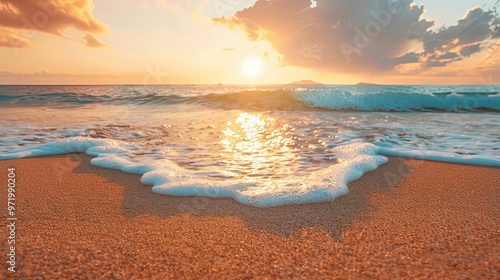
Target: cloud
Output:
[
  {"x": 448, "y": 55},
  {"x": 467, "y": 51},
  {"x": 10, "y": 39},
  {"x": 474, "y": 27},
  {"x": 459, "y": 41},
  {"x": 91, "y": 41},
  {"x": 27, "y": 17},
  {"x": 361, "y": 35}
]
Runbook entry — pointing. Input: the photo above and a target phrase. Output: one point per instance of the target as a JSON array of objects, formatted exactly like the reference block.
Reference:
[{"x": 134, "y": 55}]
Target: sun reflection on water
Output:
[{"x": 258, "y": 146}]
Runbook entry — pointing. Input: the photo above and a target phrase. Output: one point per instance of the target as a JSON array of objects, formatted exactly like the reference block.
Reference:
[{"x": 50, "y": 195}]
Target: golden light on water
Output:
[{"x": 258, "y": 145}]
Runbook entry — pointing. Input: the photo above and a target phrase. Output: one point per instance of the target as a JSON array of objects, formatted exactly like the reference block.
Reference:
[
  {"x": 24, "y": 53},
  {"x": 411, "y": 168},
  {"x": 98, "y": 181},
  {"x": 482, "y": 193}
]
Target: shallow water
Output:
[{"x": 262, "y": 146}]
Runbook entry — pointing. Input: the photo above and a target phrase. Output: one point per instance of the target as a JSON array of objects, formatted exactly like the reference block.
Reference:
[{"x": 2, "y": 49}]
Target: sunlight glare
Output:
[
  {"x": 258, "y": 144},
  {"x": 251, "y": 67}
]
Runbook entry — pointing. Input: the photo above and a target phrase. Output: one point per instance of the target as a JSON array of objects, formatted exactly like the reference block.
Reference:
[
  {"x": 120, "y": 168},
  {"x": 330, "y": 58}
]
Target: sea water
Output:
[{"x": 262, "y": 146}]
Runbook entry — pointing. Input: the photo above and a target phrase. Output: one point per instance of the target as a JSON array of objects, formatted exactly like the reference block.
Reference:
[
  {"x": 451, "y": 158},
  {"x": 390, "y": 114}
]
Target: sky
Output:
[{"x": 249, "y": 41}]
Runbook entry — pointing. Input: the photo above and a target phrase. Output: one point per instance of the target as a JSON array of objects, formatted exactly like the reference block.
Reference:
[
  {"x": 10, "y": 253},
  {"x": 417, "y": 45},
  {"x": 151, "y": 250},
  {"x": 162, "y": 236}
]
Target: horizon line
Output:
[{"x": 250, "y": 85}]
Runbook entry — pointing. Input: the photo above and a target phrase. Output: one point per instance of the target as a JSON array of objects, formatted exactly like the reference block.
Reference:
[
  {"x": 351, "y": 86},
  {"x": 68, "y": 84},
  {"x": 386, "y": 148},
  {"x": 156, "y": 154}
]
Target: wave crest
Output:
[
  {"x": 340, "y": 98},
  {"x": 401, "y": 102}
]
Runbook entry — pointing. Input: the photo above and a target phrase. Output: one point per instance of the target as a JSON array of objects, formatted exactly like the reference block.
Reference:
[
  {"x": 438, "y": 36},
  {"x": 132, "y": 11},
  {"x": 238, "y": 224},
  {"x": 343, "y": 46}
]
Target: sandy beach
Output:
[{"x": 408, "y": 219}]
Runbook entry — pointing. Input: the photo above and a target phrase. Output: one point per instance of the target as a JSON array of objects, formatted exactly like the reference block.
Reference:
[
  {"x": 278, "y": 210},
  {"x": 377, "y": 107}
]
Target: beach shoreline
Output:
[{"x": 407, "y": 219}]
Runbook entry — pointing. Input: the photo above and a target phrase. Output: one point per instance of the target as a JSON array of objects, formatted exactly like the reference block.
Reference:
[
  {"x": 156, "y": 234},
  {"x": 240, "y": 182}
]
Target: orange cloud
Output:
[
  {"x": 25, "y": 18},
  {"x": 91, "y": 41},
  {"x": 10, "y": 39}
]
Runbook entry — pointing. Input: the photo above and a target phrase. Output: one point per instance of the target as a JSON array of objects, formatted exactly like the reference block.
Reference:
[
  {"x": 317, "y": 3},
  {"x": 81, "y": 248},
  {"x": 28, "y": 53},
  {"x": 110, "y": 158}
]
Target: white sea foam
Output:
[
  {"x": 90, "y": 146},
  {"x": 440, "y": 156},
  {"x": 354, "y": 159},
  {"x": 467, "y": 139}
]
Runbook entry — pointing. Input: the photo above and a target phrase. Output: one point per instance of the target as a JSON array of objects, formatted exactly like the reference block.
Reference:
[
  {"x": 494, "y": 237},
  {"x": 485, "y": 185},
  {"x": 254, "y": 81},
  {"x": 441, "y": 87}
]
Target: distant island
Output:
[
  {"x": 305, "y": 82},
  {"x": 366, "y": 84}
]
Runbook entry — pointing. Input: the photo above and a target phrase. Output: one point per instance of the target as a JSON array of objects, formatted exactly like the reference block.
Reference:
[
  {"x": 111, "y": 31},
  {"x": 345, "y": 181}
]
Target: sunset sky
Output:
[{"x": 249, "y": 41}]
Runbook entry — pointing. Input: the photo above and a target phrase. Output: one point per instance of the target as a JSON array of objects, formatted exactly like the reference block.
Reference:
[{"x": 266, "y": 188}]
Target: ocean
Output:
[{"x": 262, "y": 146}]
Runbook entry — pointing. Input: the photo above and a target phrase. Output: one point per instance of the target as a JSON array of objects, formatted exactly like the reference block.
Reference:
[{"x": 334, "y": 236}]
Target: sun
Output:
[{"x": 251, "y": 67}]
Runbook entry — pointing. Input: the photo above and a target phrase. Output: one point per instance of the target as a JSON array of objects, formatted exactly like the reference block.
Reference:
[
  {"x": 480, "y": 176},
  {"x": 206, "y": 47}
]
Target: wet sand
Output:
[{"x": 407, "y": 219}]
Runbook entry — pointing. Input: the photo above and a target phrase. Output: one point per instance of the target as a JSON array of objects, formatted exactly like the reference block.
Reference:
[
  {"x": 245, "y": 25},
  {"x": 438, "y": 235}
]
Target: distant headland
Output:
[
  {"x": 366, "y": 84},
  {"x": 305, "y": 82}
]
